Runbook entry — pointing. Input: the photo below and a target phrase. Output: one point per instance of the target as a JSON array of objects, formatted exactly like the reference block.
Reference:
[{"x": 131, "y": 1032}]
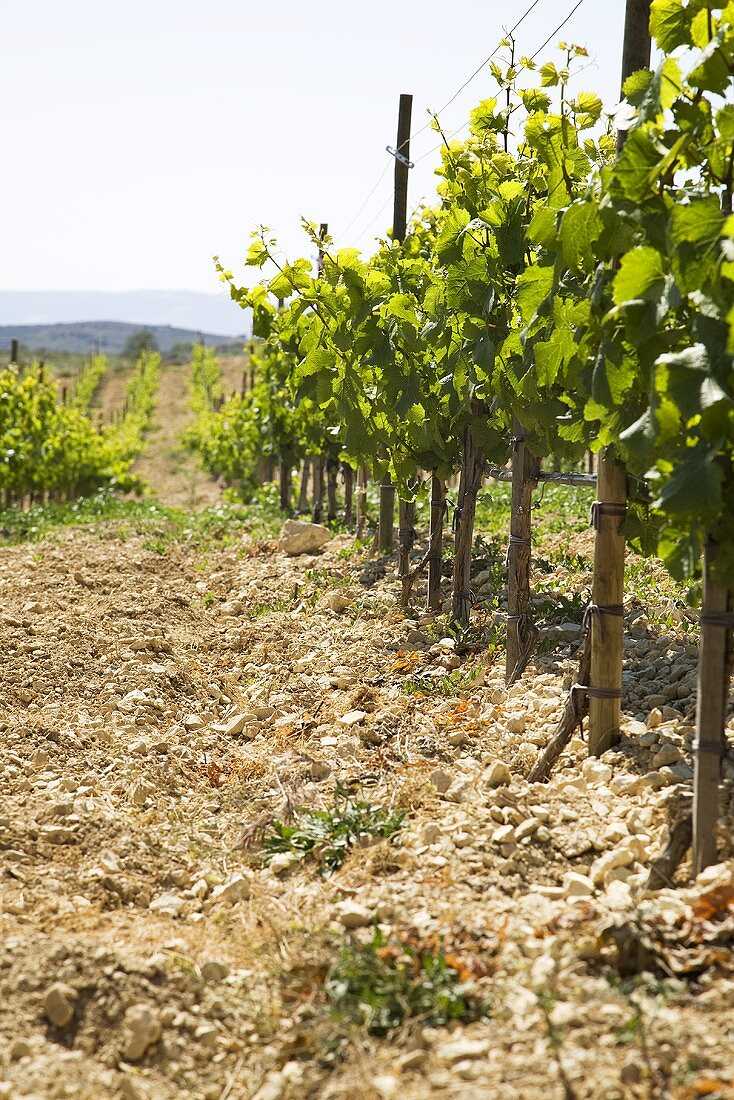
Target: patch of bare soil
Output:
[
  {"x": 156, "y": 714},
  {"x": 165, "y": 464}
]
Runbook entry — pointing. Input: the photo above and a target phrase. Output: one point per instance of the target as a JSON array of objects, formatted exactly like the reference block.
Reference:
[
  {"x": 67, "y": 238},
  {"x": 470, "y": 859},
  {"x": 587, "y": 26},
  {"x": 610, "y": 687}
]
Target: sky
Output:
[{"x": 140, "y": 137}]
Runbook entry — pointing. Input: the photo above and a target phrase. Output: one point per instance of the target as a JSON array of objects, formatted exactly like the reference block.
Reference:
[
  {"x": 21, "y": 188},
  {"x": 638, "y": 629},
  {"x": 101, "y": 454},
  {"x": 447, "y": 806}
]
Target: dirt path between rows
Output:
[
  {"x": 171, "y": 470},
  {"x": 156, "y": 713}
]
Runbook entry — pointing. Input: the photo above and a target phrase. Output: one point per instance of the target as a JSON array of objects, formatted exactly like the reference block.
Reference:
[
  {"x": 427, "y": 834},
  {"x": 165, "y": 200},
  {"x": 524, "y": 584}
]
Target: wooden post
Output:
[
  {"x": 332, "y": 470},
  {"x": 714, "y": 665},
  {"x": 435, "y": 542},
  {"x": 303, "y": 488},
  {"x": 362, "y": 479},
  {"x": 607, "y": 623},
  {"x": 323, "y": 231},
  {"x": 521, "y": 633},
  {"x": 400, "y": 206},
  {"x": 348, "y": 475},
  {"x": 606, "y": 612},
  {"x": 399, "y": 222},
  {"x": 386, "y": 528},
  {"x": 13, "y": 351},
  {"x": 636, "y": 45},
  {"x": 406, "y": 538},
  {"x": 286, "y": 469},
  {"x": 472, "y": 473},
  {"x": 318, "y": 488}
]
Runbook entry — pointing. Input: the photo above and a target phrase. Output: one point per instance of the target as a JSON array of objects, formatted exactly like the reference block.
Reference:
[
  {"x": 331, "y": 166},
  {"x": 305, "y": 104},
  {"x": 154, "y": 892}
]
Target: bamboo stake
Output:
[{"x": 713, "y": 688}]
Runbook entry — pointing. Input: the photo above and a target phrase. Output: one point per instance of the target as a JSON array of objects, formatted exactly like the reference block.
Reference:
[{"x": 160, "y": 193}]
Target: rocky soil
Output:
[{"x": 159, "y": 710}]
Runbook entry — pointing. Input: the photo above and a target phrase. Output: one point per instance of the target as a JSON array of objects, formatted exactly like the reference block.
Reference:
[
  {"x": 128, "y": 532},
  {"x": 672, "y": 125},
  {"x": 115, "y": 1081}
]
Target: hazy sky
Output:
[{"x": 142, "y": 136}]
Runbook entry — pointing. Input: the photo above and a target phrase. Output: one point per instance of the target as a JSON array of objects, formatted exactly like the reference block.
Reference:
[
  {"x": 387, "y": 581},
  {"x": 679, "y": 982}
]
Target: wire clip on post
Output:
[{"x": 400, "y": 156}]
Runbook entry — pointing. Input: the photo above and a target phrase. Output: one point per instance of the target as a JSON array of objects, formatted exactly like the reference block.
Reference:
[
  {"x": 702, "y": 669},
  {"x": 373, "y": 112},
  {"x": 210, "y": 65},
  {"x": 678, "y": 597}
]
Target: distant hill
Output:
[
  {"x": 183, "y": 309},
  {"x": 107, "y": 336}
]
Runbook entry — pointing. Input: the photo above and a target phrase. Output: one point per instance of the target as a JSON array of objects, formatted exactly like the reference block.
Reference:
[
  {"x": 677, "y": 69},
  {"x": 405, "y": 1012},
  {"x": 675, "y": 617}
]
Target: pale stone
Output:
[
  {"x": 236, "y": 888},
  {"x": 576, "y": 885},
  {"x": 170, "y": 904},
  {"x": 298, "y": 537},
  {"x": 353, "y": 915},
  {"x": 456, "y": 1050},
  {"x": 499, "y": 774},
  {"x": 58, "y": 1004},
  {"x": 352, "y": 718},
  {"x": 143, "y": 1029}
]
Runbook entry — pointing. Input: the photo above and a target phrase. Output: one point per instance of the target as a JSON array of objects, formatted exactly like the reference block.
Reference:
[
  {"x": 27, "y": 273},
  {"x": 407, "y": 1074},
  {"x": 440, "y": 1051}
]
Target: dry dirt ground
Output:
[
  {"x": 157, "y": 711},
  {"x": 166, "y": 465}
]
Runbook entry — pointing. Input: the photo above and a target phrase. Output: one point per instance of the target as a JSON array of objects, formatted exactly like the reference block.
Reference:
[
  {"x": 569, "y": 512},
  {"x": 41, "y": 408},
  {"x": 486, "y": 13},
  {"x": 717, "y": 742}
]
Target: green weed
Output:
[
  {"x": 327, "y": 836},
  {"x": 453, "y": 683},
  {"x": 384, "y": 983}
]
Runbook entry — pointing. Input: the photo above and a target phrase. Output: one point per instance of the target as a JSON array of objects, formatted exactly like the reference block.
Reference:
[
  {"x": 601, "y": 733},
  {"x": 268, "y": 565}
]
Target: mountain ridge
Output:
[
  {"x": 184, "y": 309},
  {"x": 87, "y": 337}
]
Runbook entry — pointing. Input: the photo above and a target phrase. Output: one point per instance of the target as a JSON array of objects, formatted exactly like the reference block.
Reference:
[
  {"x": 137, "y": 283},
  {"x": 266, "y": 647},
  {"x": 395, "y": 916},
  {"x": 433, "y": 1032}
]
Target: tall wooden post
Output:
[
  {"x": 714, "y": 666},
  {"x": 606, "y": 612},
  {"x": 521, "y": 633},
  {"x": 303, "y": 487},
  {"x": 607, "y": 623},
  {"x": 472, "y": 473},
  {"x": 13, "y": 351},
  {"x": 406, "y": 538},
  {"x": 386, "y": 529},
  {"x": 435, "y": 543},
  {"x": 318, "y": 465},
  {"x": 362, "y": 479},
  {"x": 348, "y": 476}
]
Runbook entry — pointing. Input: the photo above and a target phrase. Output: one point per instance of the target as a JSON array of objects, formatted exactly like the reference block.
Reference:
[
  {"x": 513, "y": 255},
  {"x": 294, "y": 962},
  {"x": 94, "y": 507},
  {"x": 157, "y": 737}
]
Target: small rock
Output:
[
  {"x": 576, "y": 885},
  {"x": 58, "y": 1004},
  {"x": 337, "y": 602},
  {"x": 499, "y": 774},
  {"x": 207, "y": 1035},
  {"x": 236, "y": 888},
  {"x": 282, "y": 862},
  {"x": 596, "y": 771},
  {"x": 457, "y": 1050},
  {"x": 19, "y": 1048},
  {"x": 298, "y": 537},
  {"x": 56, "y": 834},
  {"x": 237, "y": 723},
  {"x": 667, "y": 754},
  {"x": 320, "y": 770},
  {"x": 352, "y": 718},
  {"x": 169, "y": 903},
  {"x": 143, "y": 1029},
  {"x": 527, "y": 828},
  {"x": 353, "y": 915},
  {"x": 214, "y": 971},
  {"x": 654, "y": 718},
  {"x": 441, "y": 780},
  {"x": 516, "y": 723}
]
